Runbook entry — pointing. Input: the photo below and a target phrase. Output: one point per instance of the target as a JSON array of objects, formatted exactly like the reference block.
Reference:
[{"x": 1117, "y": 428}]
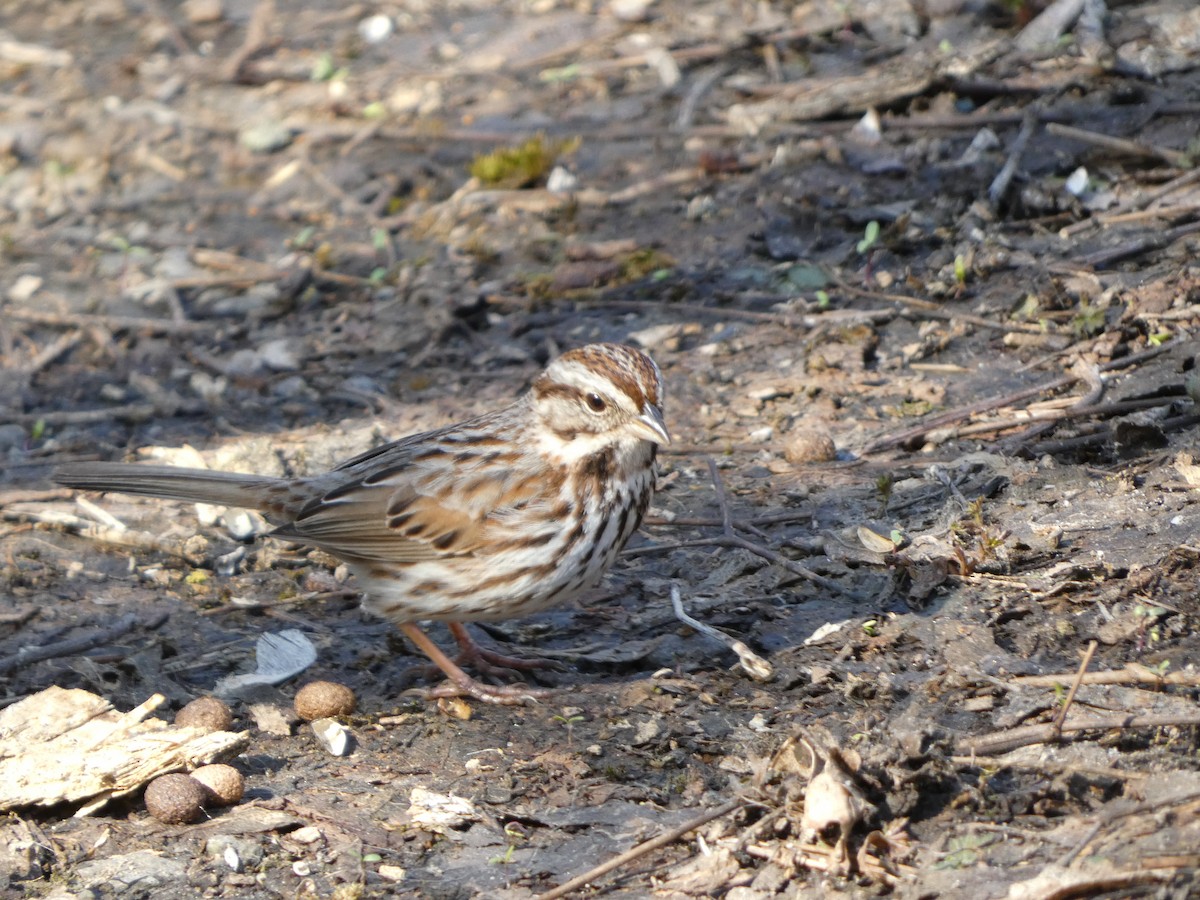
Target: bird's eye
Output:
[{"x": 595, "y": 403}]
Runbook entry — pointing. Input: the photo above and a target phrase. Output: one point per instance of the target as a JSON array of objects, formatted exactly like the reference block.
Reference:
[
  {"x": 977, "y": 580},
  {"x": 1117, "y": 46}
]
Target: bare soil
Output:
[{"x": 252, "y": 229}]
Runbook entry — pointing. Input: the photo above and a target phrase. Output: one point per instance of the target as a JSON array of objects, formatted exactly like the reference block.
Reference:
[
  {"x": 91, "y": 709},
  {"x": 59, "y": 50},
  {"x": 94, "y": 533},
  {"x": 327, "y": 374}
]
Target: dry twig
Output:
[
  {"x": 1123, "y": 145},
  {"x": 75, "y": 646},
  {"x": 910, "y": 435},
  {"x": 730, "y": 538},
  {"x": 752, "y": 664},
  {"x": 1011, "y": 739},
  {"x": 1070, "y": 699},
  {"x": 641, "y": 850}
]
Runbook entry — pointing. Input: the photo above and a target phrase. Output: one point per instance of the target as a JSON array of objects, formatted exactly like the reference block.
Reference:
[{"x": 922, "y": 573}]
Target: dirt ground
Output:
[{"x": 922, "y": 282}]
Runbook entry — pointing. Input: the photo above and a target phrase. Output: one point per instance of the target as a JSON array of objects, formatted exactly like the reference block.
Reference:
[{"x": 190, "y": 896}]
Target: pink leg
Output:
[
  {"x": 463, "y": 685},
  {"x": 489, "y": 661}
]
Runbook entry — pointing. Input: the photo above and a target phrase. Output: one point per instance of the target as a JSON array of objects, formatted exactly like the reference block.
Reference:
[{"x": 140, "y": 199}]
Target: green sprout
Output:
[
  {"x": 324, "y": 69},
  {"x": 870, "y": 236}
]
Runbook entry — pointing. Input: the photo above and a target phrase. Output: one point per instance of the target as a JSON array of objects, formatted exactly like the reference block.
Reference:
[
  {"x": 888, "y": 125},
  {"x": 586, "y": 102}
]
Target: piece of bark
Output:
[{"x": 71, "y": 746}]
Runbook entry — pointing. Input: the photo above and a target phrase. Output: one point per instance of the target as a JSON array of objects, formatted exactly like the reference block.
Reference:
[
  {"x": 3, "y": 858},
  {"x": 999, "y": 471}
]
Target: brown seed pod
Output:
[
  {"x": 810, "y": 446},
  {"x": 207, "y": 713},
  {"x": 223, "y": 785},
  {"x": 324, "y": 699},
  {"x": 175, "y": 799}
]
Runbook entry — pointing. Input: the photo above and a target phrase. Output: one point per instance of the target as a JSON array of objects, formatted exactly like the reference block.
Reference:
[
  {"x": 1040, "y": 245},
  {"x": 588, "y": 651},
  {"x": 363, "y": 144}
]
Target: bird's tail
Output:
[{"x": 177, "y": 483}]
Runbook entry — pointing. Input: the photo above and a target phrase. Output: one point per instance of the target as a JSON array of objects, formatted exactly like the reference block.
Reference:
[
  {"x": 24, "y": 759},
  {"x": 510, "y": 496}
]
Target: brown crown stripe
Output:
[{"x": 615, "y": 363}]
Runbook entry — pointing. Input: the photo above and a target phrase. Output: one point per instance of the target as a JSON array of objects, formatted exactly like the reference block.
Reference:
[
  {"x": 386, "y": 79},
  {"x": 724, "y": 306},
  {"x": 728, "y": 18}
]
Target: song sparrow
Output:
[{"x": 492, "y": 518}]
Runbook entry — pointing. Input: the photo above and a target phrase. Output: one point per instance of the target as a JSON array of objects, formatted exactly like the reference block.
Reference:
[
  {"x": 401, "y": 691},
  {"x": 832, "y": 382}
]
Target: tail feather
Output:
[{"x": 173, "y": 483}]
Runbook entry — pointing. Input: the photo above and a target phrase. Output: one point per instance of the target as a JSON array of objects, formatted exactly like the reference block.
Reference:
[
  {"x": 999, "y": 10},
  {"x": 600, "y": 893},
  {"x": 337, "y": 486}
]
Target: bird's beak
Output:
[{"x": 650, "y": 426}]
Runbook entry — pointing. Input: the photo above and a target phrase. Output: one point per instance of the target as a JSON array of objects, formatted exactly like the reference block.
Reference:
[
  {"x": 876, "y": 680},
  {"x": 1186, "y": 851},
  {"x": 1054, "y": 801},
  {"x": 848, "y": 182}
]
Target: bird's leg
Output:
[
  {"x": 463, "y": 685},
  {"x": 489, "y": 661}
]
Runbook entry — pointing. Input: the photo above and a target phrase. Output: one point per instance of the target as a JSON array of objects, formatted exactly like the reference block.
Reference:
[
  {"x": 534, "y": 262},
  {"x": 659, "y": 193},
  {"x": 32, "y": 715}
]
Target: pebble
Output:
[
  {"x": 309, "y": 834},
  {"x": 561, "y": 181},
  {"x": 769, "y": 392},
  {"x": 279, "y": 355},
  {"x": 199, "y": 12},
  {"x": 24, "y": 288},
  {"x": 114, "y": 875},
  {"x": 333, "y": 736},
  {"x": 226, "y": 847},
  {"x": 700, "y": 207},
  {"x": 375, "y": 29},
  {"x": 265, "y": 137},
  {"x": 761, "y": 435},
  {"x": 631, "y": 10}
]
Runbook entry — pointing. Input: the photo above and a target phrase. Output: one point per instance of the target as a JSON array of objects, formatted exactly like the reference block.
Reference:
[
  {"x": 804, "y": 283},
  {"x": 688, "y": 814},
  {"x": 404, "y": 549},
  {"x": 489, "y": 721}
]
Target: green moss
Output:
[{"x": 522, "y": 166}]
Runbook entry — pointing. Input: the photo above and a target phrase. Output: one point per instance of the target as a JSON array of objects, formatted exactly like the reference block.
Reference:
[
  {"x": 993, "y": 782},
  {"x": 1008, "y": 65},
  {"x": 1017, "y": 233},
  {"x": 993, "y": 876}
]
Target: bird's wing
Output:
[
  {"x": 443, "y": 493},
  {"x": 372, "y": 523}
]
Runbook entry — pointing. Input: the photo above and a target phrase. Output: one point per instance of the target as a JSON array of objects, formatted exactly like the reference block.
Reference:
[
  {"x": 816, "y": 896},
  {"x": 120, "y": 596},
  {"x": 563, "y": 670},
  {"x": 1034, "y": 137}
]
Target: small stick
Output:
[
  {"x": 100, "y": 514},
  {"x": 26, "y": 54},
  {"x": 1054, "y": 416},
  {"x": 641, "y": 850},
  {"x": 1133, "y": 673},
  {"x": 1062, "y": 713},
  {"x": 1046, "y": 27},
  {"x": 937, "y": 311},
  {"x": 257, "y": 37},
  {"x": 1187, "y": 210},
  {"x": 1138, "y": 203},
  {"x": 807, "y": 320},
  {"x": 1104, "y": 258},
  {"x": 75, "y": 646},
  {"x": 49, "y": 354},
  {"x": 1123, "y": 145},
  {"x": 1003, "y": 741},
  {"x": 113, "y": 323},
  {"x": 730, "y": 539},
  {"x": 701, "y": 86},
  {"x": 901, "y": 438},
  {"x": 1003, "y": 179},
  {"x": 7, "y": 498},
  {"x": 753, "y": 664},
  {"x": 128, "y": 412}
]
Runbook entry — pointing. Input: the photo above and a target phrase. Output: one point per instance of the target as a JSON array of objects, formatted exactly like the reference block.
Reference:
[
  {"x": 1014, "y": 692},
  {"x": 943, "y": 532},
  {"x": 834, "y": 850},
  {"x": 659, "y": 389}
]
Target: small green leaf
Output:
[
  {"x": 1159, "y": 338},
  {"x": 563, "y": 73},
  {"x": 304, "y": 237},
  {"x": 870, "y": 236},
  {"x": 323, "y": 68}
]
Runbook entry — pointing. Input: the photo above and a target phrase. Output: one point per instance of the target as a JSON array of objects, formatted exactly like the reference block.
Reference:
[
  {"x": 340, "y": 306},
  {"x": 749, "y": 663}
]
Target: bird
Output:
[{"x": 492, "y": 518}]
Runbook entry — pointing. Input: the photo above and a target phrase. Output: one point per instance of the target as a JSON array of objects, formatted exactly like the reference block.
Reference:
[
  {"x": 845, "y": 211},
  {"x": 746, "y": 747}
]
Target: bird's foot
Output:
[{"x": 489, "y": 662}]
